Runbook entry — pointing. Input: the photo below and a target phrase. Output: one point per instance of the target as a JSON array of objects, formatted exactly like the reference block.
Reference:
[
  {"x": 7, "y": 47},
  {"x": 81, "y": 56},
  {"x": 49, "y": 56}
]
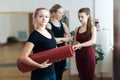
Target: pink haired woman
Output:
[{"x": 40, "y": 39}]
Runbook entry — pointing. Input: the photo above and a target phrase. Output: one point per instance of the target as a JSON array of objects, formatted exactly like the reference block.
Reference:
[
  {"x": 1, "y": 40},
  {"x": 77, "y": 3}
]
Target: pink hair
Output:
[{"x": 38, "y": 9}]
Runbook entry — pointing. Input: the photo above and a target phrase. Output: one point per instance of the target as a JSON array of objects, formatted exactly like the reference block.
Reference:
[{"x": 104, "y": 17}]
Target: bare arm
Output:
[
  {"x": 27, "y": 60},
  {"x": 87, "y": 43},
  {"x": 75, "y": 41},
  {"x": 67, "y": 37}
]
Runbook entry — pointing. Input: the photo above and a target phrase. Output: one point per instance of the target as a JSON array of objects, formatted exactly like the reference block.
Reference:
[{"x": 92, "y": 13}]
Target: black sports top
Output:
[{"x": 58, "y": 32}]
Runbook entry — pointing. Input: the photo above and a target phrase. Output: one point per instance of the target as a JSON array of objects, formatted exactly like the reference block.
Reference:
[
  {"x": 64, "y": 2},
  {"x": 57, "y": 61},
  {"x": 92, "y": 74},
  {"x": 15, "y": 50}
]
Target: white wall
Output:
[
  {"x": 29, "y": 5},
  {"x": 11, "y": 24},
  {"x": 4, "y": 29},
  {"x": 104, "y": 12},
  {"x": 19, "y": 22}
]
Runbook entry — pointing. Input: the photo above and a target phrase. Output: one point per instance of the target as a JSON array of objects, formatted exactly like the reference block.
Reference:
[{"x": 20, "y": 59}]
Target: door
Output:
[
  {"x": 31, "y": 26},
  {"x": 116, "y": 54}
]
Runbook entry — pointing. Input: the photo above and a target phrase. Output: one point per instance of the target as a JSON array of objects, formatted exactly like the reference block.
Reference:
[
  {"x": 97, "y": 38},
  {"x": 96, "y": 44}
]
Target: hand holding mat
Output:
[{"x": 52, "y": 55}]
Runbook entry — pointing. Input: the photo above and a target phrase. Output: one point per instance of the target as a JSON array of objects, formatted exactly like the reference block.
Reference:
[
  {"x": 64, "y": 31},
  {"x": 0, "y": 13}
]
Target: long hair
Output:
[{"x": 89, "y": 22}]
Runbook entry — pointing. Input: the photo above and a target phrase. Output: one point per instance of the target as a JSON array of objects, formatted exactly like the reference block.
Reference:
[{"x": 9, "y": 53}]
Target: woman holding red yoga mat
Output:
[
  {"x": 40, "y": 39},
  {"x": 85, "y": 37}
]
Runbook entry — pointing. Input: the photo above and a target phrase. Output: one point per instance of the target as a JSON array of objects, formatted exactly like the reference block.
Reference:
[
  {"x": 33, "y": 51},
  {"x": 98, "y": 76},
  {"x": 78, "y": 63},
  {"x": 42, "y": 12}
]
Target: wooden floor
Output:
[{"x": 9, "y": 54}]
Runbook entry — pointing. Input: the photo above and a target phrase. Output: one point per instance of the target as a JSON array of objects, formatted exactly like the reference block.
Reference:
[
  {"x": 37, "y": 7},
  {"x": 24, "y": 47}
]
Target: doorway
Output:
[
  {"x": 116, "y": 40},
  {"x": 31, "y": 26}
]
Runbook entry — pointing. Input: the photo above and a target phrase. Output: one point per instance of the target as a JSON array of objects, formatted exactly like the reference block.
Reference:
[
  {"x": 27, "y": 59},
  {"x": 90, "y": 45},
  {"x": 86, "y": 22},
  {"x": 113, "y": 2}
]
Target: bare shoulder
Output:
[
  {"x": 29, "y": 44},
  {"x": 64, "y": 24},
  {"x": 94, "y": 28},
  {"x": 65, "y": 27},
  {"x": 49, "y": 26},
  {"x": 76, "y": 28}
]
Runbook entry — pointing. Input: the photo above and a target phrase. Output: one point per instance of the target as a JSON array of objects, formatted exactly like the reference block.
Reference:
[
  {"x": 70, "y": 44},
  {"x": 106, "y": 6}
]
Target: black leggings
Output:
[{"x": 59, "y": 69}]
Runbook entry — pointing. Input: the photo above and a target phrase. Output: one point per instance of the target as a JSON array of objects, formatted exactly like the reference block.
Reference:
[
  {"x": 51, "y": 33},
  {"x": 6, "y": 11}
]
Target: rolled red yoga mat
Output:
[{"x": 52, "y": 55}]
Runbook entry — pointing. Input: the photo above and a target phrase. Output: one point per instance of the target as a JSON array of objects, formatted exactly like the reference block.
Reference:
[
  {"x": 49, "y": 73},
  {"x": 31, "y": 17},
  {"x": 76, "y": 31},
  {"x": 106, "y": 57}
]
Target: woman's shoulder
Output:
[
  {"x": 64, "y": 24},
  {"x": 48, "y": 26},
  {"x": 94, "y": 28},
  {"x": 33, "y": 33},
  {"x": 49, "y": 30},
  {"x": 77, "y": 28}
]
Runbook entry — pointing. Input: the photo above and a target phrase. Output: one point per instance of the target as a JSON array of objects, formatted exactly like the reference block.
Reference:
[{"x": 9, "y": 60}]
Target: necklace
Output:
[{"x": 45, "y": 33}]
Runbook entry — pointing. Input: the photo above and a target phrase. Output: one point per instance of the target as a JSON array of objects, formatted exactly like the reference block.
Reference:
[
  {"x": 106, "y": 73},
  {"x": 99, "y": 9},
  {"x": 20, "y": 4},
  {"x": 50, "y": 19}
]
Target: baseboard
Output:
[
  {"x": 96, "y": 78},
  {"x": 104, "y": 78}
]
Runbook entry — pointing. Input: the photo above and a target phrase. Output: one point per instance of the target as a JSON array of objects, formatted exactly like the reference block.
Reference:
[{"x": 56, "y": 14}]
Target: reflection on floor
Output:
[{"x": 9, "y": 53}]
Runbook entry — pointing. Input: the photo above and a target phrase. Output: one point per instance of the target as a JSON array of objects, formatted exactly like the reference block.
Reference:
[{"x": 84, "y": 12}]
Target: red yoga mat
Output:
[{"x": 52, "y": 55}]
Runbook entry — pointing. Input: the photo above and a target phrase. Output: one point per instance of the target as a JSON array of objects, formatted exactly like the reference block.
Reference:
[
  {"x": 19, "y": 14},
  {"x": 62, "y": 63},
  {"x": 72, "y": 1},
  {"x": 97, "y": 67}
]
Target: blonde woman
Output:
[
  {"x": 62, "y": 35},
  {"x": 40, "y": 39}
]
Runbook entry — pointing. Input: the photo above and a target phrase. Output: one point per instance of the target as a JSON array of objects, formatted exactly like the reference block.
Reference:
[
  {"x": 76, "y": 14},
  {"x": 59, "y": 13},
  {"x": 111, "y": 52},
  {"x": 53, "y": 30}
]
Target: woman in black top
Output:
[
  {"x": 40, "y": 39},
  {"x": 61, "y": 33}
]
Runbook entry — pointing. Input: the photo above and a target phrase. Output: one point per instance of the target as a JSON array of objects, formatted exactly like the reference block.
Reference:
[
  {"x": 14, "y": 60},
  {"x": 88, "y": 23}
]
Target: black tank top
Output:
[{"x": 58, "y": 32}]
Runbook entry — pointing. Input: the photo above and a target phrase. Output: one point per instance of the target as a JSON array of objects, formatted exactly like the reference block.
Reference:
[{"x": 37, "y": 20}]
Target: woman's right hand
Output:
[{"x": 76, "y": 46}]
